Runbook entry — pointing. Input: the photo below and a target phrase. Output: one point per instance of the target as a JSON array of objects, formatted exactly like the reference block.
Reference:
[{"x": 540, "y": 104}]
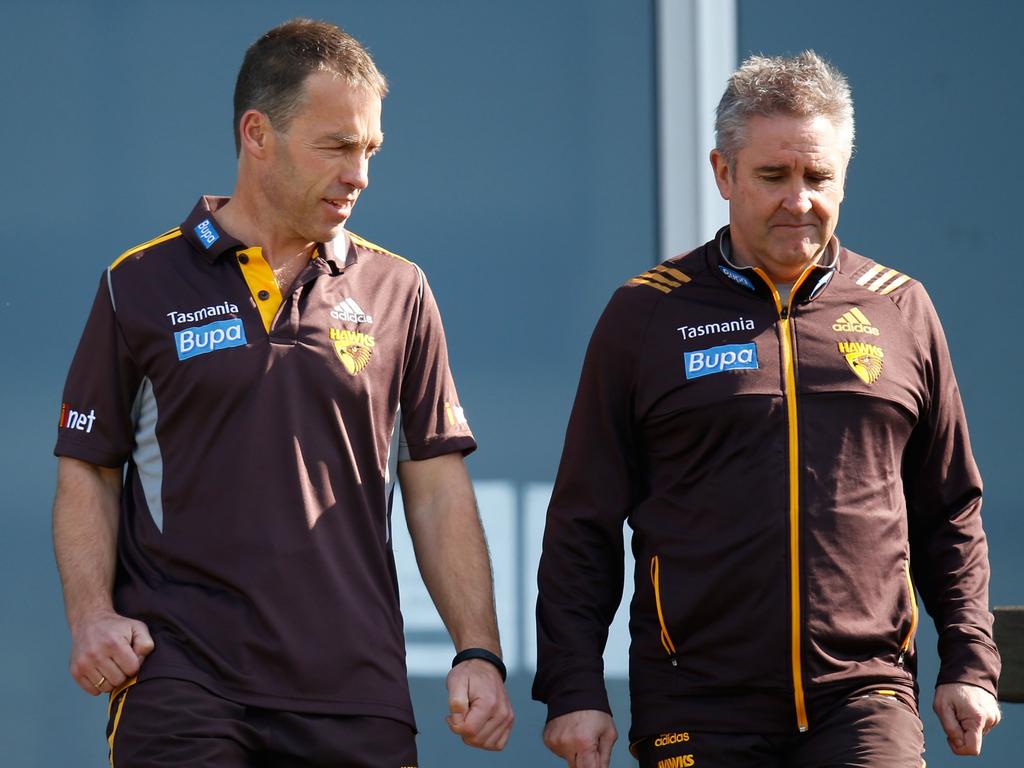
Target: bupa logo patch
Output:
[
  {"x": 736, "y": 277},
  {"x": 728, "y": 357},
  {"x": 209, "y": 338},
  {"x": 206, "y": 233}
]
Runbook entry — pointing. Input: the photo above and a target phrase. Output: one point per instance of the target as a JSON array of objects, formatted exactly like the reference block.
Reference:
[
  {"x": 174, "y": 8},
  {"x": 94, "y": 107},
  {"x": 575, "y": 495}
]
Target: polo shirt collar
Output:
[{"x": 203, "y": 232}]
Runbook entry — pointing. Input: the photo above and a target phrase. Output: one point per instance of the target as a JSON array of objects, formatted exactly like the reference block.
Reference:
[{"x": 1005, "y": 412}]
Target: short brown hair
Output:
[
  {"x": 802, "y": 86},
  {"x": 276, "y": 66}
]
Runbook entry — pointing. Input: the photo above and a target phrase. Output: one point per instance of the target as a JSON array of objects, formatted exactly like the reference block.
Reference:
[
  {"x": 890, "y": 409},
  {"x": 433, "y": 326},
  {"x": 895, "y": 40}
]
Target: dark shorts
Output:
[
  {"x": 165, "y": 723},
  {"x": 865, "y": 731}
]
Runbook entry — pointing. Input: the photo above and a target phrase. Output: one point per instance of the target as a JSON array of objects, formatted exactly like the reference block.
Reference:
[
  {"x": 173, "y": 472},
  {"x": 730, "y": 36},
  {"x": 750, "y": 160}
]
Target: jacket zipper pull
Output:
[
  {"x": 899, "y": 659},
  {"x": 674, "y": 660},
  {"x": 784, "y": 313}
]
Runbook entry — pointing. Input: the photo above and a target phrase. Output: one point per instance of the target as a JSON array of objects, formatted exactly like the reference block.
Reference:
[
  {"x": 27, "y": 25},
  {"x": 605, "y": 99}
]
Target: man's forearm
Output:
[
  {"x": 85, "y": 519},
  {"x": 451, "y": 550}
]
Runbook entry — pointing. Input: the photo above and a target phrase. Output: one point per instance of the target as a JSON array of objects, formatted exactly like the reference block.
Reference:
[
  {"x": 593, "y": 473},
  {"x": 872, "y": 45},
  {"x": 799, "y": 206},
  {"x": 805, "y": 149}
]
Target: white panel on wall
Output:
[
  {"x": 696, "y": 53},
  {"x": 429, "y": 656}
]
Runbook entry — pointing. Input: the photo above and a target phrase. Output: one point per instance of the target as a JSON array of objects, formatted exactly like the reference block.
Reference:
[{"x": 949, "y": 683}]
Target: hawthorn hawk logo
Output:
[
  {"x": 865, "y": 360},
  {"x": 353, "y": 348}
]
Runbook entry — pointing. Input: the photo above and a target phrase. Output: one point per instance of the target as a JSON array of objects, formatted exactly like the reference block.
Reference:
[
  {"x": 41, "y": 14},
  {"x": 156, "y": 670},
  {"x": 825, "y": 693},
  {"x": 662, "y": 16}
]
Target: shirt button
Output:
[
  {"x": 263, "y": 295},
  {"x": 243, "y": 259}
]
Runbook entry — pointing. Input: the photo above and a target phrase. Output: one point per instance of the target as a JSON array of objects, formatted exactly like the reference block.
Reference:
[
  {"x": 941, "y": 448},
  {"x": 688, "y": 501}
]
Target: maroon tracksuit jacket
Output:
[{"x": 791, "y": 473}]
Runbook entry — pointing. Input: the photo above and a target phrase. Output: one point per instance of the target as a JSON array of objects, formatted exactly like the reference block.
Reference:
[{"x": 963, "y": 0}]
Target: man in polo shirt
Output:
[
  {"x": 777, "y": 418},
  {"x": 247, "y": 387}
]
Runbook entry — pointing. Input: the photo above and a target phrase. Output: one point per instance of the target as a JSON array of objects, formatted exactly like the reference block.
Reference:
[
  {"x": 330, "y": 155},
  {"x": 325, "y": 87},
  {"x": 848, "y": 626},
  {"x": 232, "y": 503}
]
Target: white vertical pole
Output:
[{"x": 696, "y": 53}]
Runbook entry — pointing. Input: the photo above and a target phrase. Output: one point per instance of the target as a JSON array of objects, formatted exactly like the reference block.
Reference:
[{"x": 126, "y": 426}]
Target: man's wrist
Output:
[{"x": 484, "y": 655}]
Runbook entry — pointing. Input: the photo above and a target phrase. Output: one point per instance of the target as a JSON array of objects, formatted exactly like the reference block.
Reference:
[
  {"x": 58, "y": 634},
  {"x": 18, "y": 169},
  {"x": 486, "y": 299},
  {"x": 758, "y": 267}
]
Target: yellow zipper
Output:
[
  {"x": 666, "y": 639},
  {"x": 905, "y": 645},
  {"x": 789, "y": 370}
]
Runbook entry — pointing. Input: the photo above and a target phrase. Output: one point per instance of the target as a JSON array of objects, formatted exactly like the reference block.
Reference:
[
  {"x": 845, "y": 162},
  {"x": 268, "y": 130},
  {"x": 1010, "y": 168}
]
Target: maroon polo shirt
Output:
[{"x": 261, "y": 434}]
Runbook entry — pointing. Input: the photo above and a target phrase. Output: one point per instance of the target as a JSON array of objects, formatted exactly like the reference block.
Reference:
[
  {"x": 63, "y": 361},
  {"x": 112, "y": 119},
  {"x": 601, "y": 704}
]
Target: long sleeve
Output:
[
  {"x": 581, "y": 569},
  {"x": 949, "y": 551}
]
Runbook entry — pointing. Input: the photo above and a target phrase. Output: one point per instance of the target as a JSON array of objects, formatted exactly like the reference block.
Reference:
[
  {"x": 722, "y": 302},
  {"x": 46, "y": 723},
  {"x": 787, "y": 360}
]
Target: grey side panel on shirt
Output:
[
  {"x": 146, "y": 454},
  {"x": 110, "y": 290},
  {"x": 398, "y": 450}
]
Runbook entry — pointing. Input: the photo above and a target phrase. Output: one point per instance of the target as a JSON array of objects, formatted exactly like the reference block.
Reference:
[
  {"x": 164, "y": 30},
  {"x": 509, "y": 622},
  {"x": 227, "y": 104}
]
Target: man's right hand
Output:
[
  {"x": 107, "y": 650},
  {"x": 583, "y": 739}
]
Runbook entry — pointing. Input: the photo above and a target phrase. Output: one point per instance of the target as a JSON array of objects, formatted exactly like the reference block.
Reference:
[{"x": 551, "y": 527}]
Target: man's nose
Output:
[
  {"x": 357, "y": 173},
  {"x": 798, "y": 199}
]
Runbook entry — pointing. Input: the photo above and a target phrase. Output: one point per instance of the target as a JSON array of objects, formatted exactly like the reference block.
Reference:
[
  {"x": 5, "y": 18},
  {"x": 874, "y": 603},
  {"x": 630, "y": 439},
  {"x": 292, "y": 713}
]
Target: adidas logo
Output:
[
  {"x": 855, "y": 321},
  {"x": 350, "y": 312}
]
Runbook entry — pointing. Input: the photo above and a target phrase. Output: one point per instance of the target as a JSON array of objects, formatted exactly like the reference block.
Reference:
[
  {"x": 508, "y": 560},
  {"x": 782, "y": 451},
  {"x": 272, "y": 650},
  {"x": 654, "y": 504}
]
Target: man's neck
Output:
[
  {"x": 786, "y": 278},
  {"x": 244, "y": 220}
]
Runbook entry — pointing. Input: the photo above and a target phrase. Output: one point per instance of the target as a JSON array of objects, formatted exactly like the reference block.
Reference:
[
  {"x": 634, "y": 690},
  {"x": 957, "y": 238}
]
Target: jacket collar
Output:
[{"x": 754, "y": 280}]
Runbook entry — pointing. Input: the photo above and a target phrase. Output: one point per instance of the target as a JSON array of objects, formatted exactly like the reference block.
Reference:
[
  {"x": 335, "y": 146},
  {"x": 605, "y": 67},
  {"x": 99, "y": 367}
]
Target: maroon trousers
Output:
[
  {"x": 865, "y": 731},
  {"x": 168, "y": 723}
]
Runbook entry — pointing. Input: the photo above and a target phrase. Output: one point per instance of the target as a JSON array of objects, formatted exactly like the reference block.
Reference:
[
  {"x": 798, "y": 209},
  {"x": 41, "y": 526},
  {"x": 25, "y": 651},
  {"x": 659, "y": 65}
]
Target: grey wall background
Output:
[{"x": 520, "y": 172}]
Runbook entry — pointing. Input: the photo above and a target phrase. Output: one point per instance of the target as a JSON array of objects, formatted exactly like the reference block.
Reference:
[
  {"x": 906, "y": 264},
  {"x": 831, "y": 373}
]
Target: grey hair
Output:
[{"x": 801, "y": 86}]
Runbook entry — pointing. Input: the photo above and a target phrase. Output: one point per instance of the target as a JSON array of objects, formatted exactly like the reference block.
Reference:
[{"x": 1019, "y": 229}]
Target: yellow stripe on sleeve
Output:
[
  {"x": 649, "y": 284},
  {"x": 869, "y": 274},
  {"x": 886, "y": 277},
  {"x": 894, "y": 284},
  {"x": 374, "y": 247},
  {"x": 682, "y": 277},
  {"x": 168, "y": 235},
  {"x": 660, "y": 279}
]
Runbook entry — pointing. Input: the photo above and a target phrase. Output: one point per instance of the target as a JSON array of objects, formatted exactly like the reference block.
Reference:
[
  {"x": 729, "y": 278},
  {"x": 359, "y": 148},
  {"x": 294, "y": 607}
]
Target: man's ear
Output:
[
  {"x": 254, "y": 131},
  {"x": 723, "y": 174}
]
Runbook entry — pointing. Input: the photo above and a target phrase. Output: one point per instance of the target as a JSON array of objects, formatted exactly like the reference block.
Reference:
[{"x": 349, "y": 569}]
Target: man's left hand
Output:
[
  {"x": 480, "y": 710},
  {"x": 967, "y": 713}
]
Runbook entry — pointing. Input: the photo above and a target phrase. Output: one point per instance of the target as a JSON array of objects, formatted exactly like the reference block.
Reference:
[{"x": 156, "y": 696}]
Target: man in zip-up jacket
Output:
[{"x": 778, "y": 420}]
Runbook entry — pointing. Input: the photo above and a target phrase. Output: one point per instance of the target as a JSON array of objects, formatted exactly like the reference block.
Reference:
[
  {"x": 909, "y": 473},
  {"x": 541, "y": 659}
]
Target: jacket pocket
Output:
[
  {"x": 666, "y": 638},
  {"x": 908, "y": 638}
]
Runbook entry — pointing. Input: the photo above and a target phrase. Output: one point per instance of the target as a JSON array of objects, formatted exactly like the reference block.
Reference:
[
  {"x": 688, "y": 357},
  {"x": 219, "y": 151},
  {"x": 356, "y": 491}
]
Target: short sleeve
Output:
[
  {"x": 433, "y": 420},
  {"x": 95, "y": 423}
]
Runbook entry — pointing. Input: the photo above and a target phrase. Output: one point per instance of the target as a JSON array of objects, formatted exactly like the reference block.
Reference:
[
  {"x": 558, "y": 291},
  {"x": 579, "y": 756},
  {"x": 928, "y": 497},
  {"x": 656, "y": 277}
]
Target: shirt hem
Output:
[{"x": 281, "y": 701}]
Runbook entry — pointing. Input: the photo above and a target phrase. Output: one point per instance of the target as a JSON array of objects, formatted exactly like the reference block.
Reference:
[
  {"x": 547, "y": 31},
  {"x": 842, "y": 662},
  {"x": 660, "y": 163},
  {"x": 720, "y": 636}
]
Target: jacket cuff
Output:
[
  {"x": 971, "y": 660},
  {"x": 574, "y": 701},
  {"x": 571, "y": 690}
]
